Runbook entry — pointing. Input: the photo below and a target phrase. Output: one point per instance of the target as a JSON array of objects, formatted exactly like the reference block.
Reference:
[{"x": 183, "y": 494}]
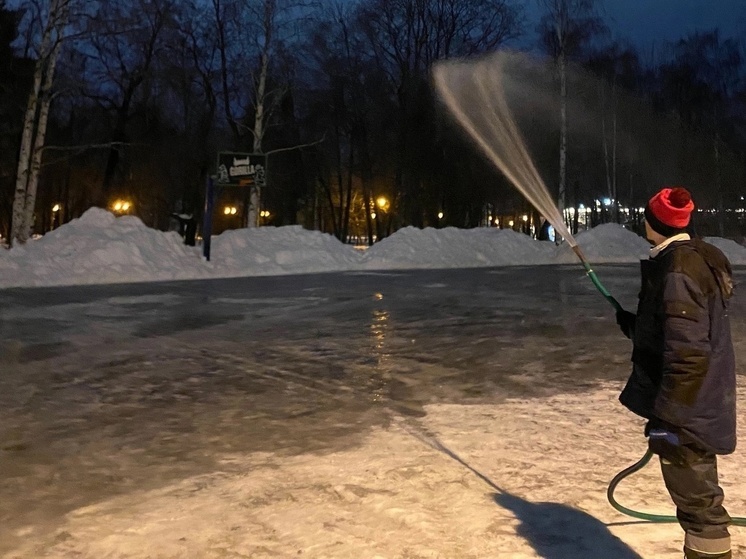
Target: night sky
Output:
[
  {"x": 651, "y": 24},
  {"x": 647, "y": 21}
]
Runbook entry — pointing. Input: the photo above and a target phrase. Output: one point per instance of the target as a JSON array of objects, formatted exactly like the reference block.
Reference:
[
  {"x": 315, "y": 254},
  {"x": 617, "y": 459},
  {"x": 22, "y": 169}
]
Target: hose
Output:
[
  {"x": 657, "y": 518},
  {"x": 595, "y": 280}
]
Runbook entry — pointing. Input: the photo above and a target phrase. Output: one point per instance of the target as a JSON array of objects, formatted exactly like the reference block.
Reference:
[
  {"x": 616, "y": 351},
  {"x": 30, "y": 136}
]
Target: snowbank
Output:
[
  {"x": 101, "y": 248},
  {"x": 456, "y": 248},
  {"x": 606, "y": 244},
  {"x": 736, "y": 253},
  {"x": 269, "y": 251}
]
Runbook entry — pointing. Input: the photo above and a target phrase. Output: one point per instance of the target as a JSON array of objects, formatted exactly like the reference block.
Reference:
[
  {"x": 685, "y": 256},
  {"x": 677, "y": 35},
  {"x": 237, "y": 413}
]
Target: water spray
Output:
[{"x": 474, "y": 92}]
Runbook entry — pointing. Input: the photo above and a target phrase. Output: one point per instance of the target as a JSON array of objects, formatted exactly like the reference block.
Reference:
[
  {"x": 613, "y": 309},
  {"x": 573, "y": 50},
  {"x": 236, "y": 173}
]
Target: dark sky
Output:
[
  {"x": 645, "y": 21},
  {"x": 649, "y": 24}
]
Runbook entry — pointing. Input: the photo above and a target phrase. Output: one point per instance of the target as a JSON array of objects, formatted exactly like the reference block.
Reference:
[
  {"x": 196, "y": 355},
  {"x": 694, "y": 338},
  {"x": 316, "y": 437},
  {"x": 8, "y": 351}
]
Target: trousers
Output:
[{"x": 692, "y": 481}]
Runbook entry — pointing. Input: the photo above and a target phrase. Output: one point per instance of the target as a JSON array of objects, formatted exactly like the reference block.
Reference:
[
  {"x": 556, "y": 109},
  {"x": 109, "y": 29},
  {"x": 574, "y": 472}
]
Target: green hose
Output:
[
  {"x": 637, "y": 466},
  {"x": 657, "y": 518},
  {"x": 595, "y": 280}
]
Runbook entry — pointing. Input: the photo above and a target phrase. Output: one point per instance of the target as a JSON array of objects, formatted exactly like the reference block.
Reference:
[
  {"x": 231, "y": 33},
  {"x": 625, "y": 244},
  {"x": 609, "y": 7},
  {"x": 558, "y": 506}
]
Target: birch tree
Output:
[
  {"x": 565, "y": 27},
  {"x": 36, "y": 118},
  {"x": 617, "y": 68},
  {"x": 254, "y": 38}
]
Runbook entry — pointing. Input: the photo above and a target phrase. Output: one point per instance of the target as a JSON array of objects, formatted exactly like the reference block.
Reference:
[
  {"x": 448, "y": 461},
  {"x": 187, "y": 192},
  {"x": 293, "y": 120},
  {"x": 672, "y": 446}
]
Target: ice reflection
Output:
[{"x": 379, "y": 331}]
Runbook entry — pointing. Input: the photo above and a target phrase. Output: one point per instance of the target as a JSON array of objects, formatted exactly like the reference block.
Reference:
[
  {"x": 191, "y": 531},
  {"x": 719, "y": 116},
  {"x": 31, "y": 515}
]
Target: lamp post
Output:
[
  {"x": 56, "y": 211},
  {"x": 383, "y": 205}
]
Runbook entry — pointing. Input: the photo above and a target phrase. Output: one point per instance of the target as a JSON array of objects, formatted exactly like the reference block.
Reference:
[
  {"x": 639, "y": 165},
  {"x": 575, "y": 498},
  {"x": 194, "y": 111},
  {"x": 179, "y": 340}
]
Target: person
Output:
[{"x": 683, "y": 378}]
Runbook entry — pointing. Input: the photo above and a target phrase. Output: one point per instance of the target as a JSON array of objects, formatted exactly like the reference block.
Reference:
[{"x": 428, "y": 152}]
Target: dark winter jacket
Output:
[{"x": 683, "y": 372}]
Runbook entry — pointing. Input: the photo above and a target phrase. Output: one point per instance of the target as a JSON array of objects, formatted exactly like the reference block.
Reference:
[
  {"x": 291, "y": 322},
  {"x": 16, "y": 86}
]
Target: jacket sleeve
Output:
[{"x": 686, "y": 351}]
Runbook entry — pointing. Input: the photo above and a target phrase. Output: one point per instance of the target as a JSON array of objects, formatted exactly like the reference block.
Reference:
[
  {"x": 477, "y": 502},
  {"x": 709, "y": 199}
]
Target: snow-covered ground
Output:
[
  {"x": 393, "y": 414},
  {"x": 101, "y": 248}
]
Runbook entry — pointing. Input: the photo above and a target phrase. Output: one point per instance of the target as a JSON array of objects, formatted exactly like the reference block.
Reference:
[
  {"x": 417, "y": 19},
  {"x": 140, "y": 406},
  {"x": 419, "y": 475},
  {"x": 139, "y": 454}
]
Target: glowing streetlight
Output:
[
  {"x": 511, "y": 223},
  {"x": 525, "y": 217},
  {"x": 372, "y": 215},
  {"x": 230, "y": 210},
  {"x": 56, "y": 208},
  {"x": 440, "y": 215},
  {"x": 122, "y": 206},
  {"x": 382, "y": 203}
]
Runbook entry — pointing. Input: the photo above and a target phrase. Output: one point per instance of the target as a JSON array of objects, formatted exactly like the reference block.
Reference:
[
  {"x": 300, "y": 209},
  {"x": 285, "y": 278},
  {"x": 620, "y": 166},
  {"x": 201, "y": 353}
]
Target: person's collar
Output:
[{"x": 656, "y": 250}]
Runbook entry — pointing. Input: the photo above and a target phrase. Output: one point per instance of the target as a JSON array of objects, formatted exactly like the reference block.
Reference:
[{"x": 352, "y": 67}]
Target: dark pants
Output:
[{"x": 692, "y": 480}]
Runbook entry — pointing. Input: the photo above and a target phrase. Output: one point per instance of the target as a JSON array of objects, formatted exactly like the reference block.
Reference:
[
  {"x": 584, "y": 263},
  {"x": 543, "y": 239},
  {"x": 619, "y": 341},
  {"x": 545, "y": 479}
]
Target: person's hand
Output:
[
  {"x": 666, "y": 443},
  {"x": 626, "y": 322}
]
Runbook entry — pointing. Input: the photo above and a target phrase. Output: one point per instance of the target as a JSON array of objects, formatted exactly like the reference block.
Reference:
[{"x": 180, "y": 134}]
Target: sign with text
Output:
[{"x": 242, "y": 169}]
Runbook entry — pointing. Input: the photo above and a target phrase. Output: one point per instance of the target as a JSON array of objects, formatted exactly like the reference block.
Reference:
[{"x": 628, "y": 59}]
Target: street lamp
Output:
[
  {"x": 230, "y": 210},
  {"x": 440, "y": 215},
  {"x": 122, "y": 206},
  {"x": 382, "y": 203}
]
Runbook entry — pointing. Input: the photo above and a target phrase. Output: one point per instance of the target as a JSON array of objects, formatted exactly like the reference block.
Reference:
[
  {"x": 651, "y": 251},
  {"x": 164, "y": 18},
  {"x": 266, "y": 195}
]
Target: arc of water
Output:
[{"x": 490, "y": 123}]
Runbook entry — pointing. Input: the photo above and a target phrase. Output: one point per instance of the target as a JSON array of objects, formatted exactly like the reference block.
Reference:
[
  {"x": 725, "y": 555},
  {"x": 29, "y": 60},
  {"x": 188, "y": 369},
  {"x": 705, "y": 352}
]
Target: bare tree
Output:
[
  {"x": 126, "y": 37},
  {"x": 405, "y": 37},
  {"x": 253, "y": 47},
  {"x": 37, "y": 114},
  {"x": 700, "y": 83},
  {"x": 617, "y": 68},
  {"x": 565, "y": 27}
]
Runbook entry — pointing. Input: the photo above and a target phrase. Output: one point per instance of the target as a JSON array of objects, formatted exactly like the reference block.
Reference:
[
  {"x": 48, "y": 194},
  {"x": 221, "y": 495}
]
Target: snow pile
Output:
[
  {"x": 100, "y": 248},
  {"x": 606, "y": 244},
  {"x": 457, "y": 248},
  {"x": 736, "y": 253},
  {"x": 267, "y": 251}
]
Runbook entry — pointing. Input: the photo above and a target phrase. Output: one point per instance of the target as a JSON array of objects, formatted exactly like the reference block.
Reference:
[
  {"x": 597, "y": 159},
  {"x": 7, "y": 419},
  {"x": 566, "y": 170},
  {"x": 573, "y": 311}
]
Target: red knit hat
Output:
[{"x": 669, "y": 210}]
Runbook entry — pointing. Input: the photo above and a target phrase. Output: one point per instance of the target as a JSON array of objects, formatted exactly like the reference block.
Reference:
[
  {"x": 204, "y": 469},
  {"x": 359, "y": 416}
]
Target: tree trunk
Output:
[
  {"x": 259, "y": 116},
  {"x": 19, "y": 228},
  {"x": 605, "y": 143},
  {"x": 614, "y": 196},
  {"x": 348, "y": 201},
  {"x": 35, "y": 122},
  {"x": 41, "y": 133},
  {"x": 562, "y": 196},
  {"x": 719, "y": 186}
]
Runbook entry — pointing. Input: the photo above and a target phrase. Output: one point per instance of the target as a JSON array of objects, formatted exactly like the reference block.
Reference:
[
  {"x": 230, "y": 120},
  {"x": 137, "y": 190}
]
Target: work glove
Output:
[
  {"x": 626, "y": 322},
  {"x": 666, "y": 443}
]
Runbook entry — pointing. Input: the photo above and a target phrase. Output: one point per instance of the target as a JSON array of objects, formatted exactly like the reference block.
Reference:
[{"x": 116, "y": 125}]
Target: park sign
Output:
[{"x": 241, "y": 169}]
